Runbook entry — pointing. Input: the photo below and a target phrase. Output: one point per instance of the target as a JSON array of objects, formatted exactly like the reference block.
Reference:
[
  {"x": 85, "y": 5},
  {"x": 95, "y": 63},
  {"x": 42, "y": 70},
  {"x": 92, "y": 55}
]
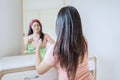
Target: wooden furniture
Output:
[
  {"x": 14, "y": 64},
  {"x": 22, "y": 63},
  {"x": 92, "y": 66}
]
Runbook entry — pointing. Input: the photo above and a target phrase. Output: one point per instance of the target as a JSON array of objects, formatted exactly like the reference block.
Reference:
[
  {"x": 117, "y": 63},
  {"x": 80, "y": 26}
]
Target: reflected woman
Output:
[{"x": 35, "y": 35}]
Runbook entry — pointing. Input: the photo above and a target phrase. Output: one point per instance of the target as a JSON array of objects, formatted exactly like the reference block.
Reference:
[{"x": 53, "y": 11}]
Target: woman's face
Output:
[{"x": 36, "y": 27}]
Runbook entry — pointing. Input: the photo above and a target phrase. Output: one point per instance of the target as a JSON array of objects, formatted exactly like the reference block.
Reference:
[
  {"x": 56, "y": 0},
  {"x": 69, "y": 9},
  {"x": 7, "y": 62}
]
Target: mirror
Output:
[{"x": 43, "y": 10}]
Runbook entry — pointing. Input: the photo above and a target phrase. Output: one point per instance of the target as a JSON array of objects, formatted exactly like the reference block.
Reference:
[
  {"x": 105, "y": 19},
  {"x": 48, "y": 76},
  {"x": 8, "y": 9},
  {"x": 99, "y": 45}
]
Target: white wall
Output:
[
  {"x": 101, "y": 25},
  {"x": 10, "y": 27}
]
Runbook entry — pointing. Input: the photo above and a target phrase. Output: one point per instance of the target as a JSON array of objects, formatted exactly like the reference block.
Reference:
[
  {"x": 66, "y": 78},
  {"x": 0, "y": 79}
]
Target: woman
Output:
[
  {"x": 35, "y": 35},
  {"x": 69, "y": 55}
]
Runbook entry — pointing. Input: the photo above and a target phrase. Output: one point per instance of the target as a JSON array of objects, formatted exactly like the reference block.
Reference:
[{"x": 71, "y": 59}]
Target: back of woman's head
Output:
[
  {"x": 31, "y": 30},
  {"x": 70, "y": 44}
]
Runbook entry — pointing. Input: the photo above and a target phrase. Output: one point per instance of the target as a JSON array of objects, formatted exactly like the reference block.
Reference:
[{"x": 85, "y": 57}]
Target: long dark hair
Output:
[
  {"x": 70, "y": 45},
  {"x": 31, "y": 31}
]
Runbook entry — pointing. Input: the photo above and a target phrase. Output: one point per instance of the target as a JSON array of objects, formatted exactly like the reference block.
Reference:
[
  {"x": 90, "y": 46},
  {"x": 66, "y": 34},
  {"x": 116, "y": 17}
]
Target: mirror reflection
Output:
[{"x": 39, "y": 23}]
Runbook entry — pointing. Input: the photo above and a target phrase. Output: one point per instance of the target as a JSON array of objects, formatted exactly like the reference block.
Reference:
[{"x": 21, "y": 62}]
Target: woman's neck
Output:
[{"x": 36, "y": 34}]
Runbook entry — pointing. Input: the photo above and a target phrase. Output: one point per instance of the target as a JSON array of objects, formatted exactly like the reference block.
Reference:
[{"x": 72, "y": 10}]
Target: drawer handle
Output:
[{"x": 29, "y": 78}]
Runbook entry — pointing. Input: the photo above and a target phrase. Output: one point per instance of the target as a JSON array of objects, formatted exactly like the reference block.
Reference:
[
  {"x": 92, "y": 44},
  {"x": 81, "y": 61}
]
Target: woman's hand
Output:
[
  {"x": 30, "y": 40},
  {"x": 27, "y": 41}
]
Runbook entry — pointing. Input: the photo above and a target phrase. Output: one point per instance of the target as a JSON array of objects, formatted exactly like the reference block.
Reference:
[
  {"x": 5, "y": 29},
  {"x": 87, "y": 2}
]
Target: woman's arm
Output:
[
  {"x": 25, "y": 43},
  {"x": 49, "y": 39},
  {"x": 41, "y": 66}
]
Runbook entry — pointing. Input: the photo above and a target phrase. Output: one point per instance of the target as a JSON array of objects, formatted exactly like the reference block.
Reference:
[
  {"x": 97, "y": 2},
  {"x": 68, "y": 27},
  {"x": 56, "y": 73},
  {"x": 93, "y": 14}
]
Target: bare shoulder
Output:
[
  {"x": 29, "y": 36},
  {"x": 85, "y": 39},
  {"x": 49, "y": 38},
  {"x": 46, "y": 35}
]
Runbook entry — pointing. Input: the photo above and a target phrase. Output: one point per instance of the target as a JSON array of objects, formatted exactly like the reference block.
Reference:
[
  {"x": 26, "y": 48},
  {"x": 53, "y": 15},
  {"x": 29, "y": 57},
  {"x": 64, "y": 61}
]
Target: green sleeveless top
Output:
[{"x": 31, "y": 50}]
